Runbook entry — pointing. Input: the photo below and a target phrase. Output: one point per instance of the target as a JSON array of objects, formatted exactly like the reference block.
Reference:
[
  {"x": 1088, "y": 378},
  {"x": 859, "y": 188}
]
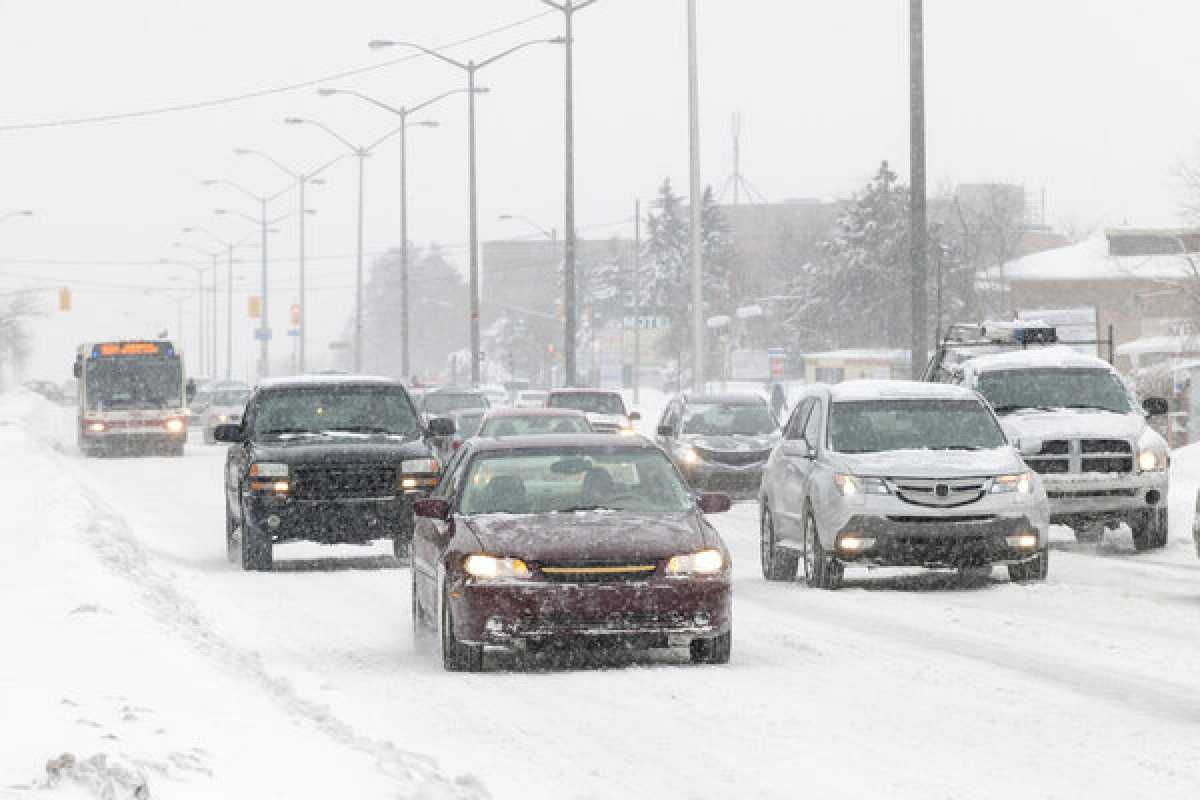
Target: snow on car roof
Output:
[
  {"x": 565, "y": 441},
  {"x": 501, "y": 413},
  {"x": 727, "y": 398},
  {"x": 1037, "y": 357},
  {"x": 583, "y": 390},
  {"x": 857, "y": 391},
  {"x": 302, "y": 381}
]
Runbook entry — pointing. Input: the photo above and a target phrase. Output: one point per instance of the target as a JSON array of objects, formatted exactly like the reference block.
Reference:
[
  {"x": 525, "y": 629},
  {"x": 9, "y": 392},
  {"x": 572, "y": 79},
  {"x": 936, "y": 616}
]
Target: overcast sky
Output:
[{"x": 1092, "y": 101}]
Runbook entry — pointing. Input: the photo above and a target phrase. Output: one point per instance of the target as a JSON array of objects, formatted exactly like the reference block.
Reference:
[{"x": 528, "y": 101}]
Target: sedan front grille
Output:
[
  {"x": 598, "y": 573},
  {"x": 343, "y": 483}
]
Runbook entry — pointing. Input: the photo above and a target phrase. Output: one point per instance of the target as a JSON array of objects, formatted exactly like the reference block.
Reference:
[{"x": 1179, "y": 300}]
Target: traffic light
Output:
[
  {"x": 64, "y": 299},
  {"x": 295, "y": 315},
  {"x": 254, "y": 307}
]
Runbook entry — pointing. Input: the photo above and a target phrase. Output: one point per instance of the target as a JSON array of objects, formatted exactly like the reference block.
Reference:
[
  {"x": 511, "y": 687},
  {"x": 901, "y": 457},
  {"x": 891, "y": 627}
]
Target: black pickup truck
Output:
[{"x": 328, "y": 459}]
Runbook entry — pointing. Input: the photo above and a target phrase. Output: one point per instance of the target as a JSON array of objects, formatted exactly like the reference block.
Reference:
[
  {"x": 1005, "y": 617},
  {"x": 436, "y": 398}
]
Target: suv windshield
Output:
[
  {"x": 445, "y": 402},
  {"x": 737, "y": 419},
  {"x": 1014, "y": 389},
  {"x": 589, "y": 402},
  {"x": 875, "y": 425},
  {"x": 573, "y": 479},
  {"x": 133, "y": 383},
  {"x": 321, "y": 409}
]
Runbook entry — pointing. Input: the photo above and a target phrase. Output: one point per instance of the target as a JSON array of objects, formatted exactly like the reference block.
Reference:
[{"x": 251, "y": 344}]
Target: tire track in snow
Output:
[{"x": 111, "y": 538}]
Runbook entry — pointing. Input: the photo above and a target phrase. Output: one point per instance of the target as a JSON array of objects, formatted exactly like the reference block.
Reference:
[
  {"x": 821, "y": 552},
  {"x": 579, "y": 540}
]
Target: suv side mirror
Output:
[
  {"x": 634, "y": 416},
  {"x": 229, "y": 434},
  {"x": 714, "y": 503},
  {"x": 797, "y": 448},
  {"x": 432, "y": 508},
  {"x": 1155, "y": 406},
  {"x": 441, "y": 426},
  {"x": 666, "y": 431}
]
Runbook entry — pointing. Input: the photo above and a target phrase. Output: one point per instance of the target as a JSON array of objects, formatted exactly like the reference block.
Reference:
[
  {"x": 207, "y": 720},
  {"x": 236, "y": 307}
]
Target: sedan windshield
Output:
[
  {"x": 1015, "y": 389},
  {"x": 740, "y": 419},
  {"x": 533, "y": 425},
  {"x": 445, "y": 402},
  {"x": 877, "y": 425},
  {"x": 573, "y": 479},
  {"x": 589, "y": 402},
  {"x": 341, "y": 409}
]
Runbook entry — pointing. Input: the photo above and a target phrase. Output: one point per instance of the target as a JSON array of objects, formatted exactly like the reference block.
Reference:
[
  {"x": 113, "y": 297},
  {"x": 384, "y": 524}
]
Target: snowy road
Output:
[{"x": 896, "y": 687}]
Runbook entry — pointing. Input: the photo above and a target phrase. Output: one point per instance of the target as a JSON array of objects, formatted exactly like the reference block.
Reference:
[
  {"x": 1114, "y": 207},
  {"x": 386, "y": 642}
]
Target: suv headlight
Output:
[
  {"x": 852, "y": 485},
  {"x": 421, "y": 466},
  {"x": 706, "y": 562},
  {"x": 1019, "y": 483},
  {"x": 490, "y": 567},
  {"x": 268, "y": 470}
]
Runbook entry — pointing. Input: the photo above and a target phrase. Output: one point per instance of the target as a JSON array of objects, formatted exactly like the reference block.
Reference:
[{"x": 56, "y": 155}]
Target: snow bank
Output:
[{"x": 113, "y": 685}]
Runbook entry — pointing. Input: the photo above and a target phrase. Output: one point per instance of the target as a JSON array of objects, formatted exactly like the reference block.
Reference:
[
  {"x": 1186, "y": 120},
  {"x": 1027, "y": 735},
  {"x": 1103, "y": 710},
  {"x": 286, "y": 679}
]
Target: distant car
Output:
[
  {"x": 605, "y": 408},
  {"x": 720, "y": 442},
  {"x": 531, "y": 398},
  {"x": 466, "y": 424},
  {"x": 899, "y": 473},
  {"x": 497, "y": 396},
  {"x": 328, "y": 459},
  {"x": 441, "y": 402},
  {"x": 226, "y": 404},
  {"x": 527, "y": 543},
  {"x": 533, "y": 422}
]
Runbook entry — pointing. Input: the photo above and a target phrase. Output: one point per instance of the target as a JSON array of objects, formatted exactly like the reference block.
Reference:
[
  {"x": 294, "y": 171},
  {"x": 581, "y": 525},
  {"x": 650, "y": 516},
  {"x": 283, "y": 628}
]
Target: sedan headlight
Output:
[
  {"x": 852, "y": 485},
  {"x": 1020, "y": 483},
  {"x": 689, "y": 456},
  {"x": 268, "y": 470},
  {"x": 421, "y": 466},
  {"x": 490, "y": 567},
  {"x": 706, "y": 562},
  {"x": 223, "y": 418}
]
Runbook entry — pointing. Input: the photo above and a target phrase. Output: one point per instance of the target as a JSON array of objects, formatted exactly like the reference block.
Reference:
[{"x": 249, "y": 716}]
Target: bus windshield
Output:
[{"x": 151, "y": 383}]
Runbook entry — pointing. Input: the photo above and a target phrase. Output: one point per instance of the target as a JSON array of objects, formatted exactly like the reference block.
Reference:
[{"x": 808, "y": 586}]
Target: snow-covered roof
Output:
[
  {"x": 852, "y": 391},
  {"x": 902, "y": 356},
  {"x": 1090, "y": 260},
  {"x": 1036, "y": 357}
]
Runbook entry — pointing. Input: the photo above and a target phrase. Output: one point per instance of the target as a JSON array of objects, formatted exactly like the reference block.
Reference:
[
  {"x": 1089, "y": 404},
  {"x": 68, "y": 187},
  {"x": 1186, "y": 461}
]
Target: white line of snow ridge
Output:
[{"x": 144, "y": 637}]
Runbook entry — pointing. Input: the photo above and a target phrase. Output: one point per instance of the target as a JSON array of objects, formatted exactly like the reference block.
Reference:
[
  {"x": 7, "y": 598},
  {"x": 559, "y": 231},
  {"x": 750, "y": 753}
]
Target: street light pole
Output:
[
  {"x": 697, "y": 204},
  {"x": 637, "y": 311},
  {"x": 471, "y": 68},
  {"x": 228, "y": 247},
  {"x": 918, "y": 234}
]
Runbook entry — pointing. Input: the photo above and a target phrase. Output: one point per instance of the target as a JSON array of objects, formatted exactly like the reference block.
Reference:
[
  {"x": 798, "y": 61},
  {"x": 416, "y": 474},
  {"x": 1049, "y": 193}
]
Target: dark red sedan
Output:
[{"x": 564, "y": 539}]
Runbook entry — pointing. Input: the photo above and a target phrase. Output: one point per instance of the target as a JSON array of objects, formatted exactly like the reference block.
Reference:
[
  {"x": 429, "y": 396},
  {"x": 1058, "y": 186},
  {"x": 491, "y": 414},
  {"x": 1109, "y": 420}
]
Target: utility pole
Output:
[
  {"x": 264, "y": 330},
  {"x": 697, "y": 204},
  {"x": 918, "y": 234},
  {"x": 229, "y": 314},
  {"x": 637, "y": 298}
]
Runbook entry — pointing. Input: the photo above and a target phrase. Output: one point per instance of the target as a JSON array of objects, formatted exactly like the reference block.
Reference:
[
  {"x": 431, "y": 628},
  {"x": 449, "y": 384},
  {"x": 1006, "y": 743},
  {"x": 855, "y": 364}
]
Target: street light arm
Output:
[
  {"x": 268, "y": 157},
  {"x": 234, "y": 213},
  {"x": 427, "y": 51},
  {"x": 353, "y": 148},
  {"x": 390, "y": 134},
  {"x": 206, "y": 232},
  {"x": 569, "y": 9},
  {"x": 386, "y": 107},
  {"x": 512, "y": 50},
  {"x": 441, "y": 96},
  {"x": 236, "y": 186}
]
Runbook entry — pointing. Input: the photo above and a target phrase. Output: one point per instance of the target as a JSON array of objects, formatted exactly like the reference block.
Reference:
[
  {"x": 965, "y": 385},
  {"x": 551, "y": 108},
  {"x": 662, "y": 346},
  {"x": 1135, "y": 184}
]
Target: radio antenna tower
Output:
[{"x": 737, "y": 181}]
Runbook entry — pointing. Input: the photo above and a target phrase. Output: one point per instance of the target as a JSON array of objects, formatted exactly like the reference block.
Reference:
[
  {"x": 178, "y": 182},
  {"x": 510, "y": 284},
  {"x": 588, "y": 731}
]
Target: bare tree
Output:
[{"x": 16, "y": 310}]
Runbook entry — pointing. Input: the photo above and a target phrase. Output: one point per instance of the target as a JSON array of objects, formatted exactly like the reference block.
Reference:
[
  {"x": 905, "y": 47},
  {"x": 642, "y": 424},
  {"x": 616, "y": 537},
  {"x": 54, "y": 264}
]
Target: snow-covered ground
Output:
[{"x": 127, "y": 635}]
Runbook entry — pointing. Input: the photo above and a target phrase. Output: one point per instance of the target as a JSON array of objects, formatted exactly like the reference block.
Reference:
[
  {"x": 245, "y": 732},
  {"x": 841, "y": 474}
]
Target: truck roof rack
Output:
[{"x": 999, "y": 337}]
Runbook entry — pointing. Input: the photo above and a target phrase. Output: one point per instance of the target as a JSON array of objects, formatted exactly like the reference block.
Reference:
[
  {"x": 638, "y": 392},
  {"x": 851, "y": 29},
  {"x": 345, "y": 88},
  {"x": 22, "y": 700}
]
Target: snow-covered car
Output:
[
  {"x": 1086, "y": 435},
  {"x": 720, "y": 442},
  {"x": 531, "y": 398},
  {"x": 899, "y": 474},
  {"x": 527, "y": 542},
  {"x": 497, "y": 396},
  {"x": 328, "y": 459},
  {"x": 466, "y": 424},
  {"x": 225, "y": 407},
  {"x": 605, "y": 408},
  {"x": 441, "y": 402}
]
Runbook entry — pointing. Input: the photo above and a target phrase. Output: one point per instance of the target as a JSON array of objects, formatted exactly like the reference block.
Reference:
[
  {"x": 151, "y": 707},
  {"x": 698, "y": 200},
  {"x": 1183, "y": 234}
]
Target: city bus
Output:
[{"x": 133, "y": 398}]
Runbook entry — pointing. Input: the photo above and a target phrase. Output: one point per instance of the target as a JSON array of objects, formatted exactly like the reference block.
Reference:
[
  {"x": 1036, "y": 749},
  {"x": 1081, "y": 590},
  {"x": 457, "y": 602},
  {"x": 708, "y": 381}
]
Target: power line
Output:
[{"x": 253, "y": 95}]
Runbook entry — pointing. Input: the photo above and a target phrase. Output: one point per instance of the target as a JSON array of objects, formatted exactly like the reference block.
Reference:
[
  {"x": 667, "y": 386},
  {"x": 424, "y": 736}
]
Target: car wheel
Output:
[
  {"x": 232, "y": 547},
  {"x": 1036, "y": 569},
  {"x": 256, "y": 551},
  {"x": 715, "y": 650},
  {"x": 456, "y": 656},
  {"x": 820, "y": 570},
  {"x": 1149, "y": 529},
  {"x": 777, "y": 564}
]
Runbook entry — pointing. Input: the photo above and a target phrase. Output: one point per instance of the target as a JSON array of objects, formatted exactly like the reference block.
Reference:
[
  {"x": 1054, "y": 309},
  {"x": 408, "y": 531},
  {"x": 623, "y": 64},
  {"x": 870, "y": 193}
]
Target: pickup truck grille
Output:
[
  {"x": 343, "y": 483},
  {"x": 1080, "y": 456}
]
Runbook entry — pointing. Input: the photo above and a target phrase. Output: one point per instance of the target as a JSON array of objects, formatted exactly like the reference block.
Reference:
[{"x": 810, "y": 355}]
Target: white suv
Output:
[
  {"x": 1085, "y": 434},
  {"x": 899, "y": 473}
]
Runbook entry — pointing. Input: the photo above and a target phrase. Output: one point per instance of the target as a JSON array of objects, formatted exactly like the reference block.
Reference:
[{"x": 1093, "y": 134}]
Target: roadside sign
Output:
[{"x": 254, "y": 306}]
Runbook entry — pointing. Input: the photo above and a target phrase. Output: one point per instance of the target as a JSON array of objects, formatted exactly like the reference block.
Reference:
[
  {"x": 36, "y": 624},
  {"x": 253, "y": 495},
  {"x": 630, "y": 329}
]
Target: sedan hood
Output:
[
  {"x": 930, "y": 463},
  {"x": 1072, "y": 424},
  {"x": 342, "y": 450},
  {"x": 735, "y": 442},
  {"x": 589, "y": 536}
]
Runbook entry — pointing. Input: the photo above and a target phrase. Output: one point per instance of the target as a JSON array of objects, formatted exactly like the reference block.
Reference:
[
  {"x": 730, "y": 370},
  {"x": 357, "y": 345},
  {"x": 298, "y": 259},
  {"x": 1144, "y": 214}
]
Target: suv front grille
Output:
[
  {"x": 939, "y": 493},
  {"x": 343, "y": 483},
  {"x": 1079, "y": 456}
]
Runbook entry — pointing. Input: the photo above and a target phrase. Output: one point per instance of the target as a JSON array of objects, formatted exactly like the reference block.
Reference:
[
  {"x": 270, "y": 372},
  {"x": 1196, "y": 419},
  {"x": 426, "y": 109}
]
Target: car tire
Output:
[
  {"x": 777, "y": 564},
  {"x": 256, "y": 550},
  {"x": 1149, "y": 529},
  {"x": 821, "y": 571},
  {"x": 457, "y": 656},
  {"x": 232, "y": 546},
  {"x": 715, "y": 650},
  {"x": 1032, "y": 571}
]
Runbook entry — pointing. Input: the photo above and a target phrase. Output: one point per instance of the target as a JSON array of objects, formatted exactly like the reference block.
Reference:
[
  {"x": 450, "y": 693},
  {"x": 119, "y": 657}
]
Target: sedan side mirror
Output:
[
  {"x": 666, "y": 431},
  {"x": 714, "y": 503},
  {"x": 229, "y": 434},
  {"x": 441, "y": 426},
  {"x": 634, "y": 416},
  {"x": 432, "y": 508},
  {"x": 797, "y": 448},
  {"x": 1155, "y": 406}
]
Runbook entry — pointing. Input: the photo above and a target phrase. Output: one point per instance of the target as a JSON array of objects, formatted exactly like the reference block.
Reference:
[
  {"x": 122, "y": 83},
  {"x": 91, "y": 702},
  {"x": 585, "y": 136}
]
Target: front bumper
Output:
[
  {"x": 287, "y": 519},
  {"x": 654, "y": 613},
  {"x": 1104, "y": 495},
  {"x": 938, "y": 543}
]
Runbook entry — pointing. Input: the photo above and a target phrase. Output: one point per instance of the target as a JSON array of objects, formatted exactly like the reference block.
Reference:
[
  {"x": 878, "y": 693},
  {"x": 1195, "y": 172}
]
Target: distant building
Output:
[{"x": 767, "y": 238}]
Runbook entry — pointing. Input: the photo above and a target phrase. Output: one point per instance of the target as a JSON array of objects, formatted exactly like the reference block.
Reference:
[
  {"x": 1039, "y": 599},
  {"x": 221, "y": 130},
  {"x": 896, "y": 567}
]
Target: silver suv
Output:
[{"x": 899, "y": 473}]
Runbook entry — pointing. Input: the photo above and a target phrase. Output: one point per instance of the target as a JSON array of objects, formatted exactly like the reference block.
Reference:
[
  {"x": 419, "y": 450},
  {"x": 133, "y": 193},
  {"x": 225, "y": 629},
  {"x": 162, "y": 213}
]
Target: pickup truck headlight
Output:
[
  {"x": 689, "y": 456},
  {"x": 420, "y": 466},
  {"x": 852, "y": 485},
  {"x": 267, "y": 469},
  {"x": 1020, "y": 483},
  {"x": 1152, "y": 460},
  {"x": 706, "y": 562}
]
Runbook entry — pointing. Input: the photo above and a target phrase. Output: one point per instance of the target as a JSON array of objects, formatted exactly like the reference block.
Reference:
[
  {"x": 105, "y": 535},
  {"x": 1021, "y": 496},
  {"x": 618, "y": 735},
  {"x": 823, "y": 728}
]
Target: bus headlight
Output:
[{"x": 175, "y": 425}]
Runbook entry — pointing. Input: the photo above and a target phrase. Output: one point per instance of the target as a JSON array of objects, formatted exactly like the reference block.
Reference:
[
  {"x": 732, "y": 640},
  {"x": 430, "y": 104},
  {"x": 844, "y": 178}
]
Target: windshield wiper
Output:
[
  {"x": 1020, "y": 407},
  {"x": 573, "y": 509},
  {"x": 1096, "y": 408},
  {"x": 291, "y": 431},
  {"x": 357, "y": 429}
]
